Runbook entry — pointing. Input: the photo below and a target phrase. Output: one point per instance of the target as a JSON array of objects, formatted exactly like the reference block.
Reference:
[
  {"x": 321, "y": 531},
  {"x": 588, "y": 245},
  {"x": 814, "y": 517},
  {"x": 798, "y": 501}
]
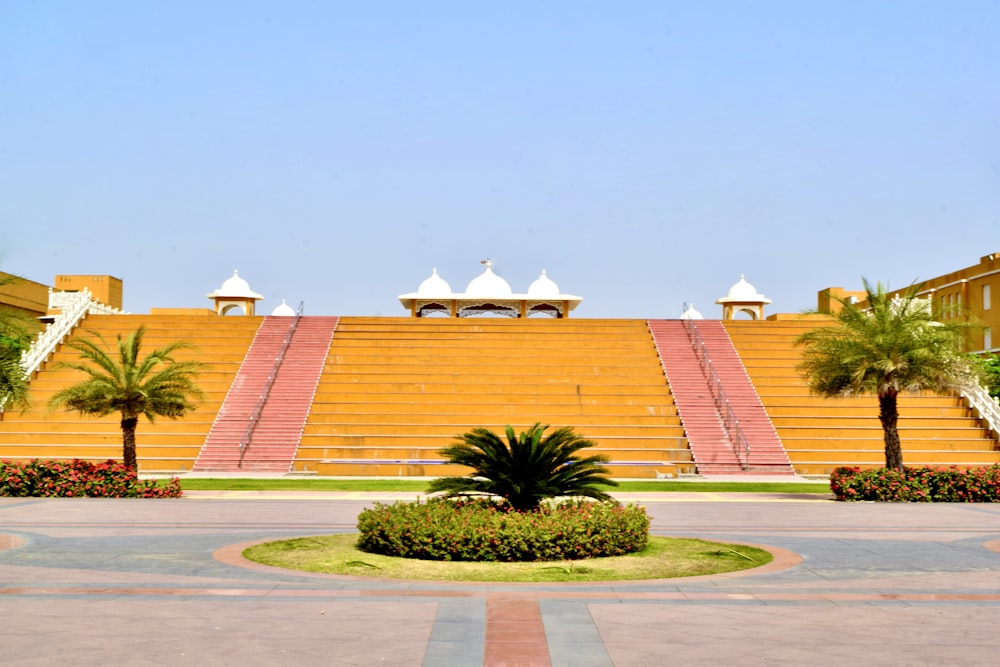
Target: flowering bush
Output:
[
  {"x": 79, "y": 479},
  {"x": 975, "y": 485},
  {"x": 481, "y": 530}
]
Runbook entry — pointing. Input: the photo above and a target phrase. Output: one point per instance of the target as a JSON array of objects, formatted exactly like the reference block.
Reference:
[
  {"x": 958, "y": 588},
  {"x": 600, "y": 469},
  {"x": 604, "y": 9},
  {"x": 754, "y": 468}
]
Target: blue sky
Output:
[{"x": 644, "y": 153}]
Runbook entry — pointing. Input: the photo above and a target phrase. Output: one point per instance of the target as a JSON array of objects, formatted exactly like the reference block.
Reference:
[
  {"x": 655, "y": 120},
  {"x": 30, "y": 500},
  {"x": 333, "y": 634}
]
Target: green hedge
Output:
[
  {"x": 79, "y": 479},
  {"x": 480, "y": 530},
  {"x": 950, "y": 485}
]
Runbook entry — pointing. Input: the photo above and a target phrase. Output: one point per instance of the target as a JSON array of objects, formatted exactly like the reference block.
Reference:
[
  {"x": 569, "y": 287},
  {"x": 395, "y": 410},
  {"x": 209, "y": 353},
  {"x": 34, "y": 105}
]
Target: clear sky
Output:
[{"x": 644, "y": 153}]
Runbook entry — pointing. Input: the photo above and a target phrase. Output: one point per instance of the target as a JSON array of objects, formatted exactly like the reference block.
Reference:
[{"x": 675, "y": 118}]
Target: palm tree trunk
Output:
[
  {"x": 128, "y": 442},
  {"x": 888, "y": 414}
]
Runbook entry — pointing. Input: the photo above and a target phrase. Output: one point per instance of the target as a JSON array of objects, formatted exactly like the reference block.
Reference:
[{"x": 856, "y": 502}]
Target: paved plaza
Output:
[{"x": 161, "y": 582}]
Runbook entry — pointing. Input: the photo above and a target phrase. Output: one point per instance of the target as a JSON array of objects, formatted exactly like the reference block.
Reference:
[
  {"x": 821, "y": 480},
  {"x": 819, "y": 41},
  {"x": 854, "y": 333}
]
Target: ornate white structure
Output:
[
  {"x": 743, "y": 298},
  {"x": 488, "y": 295},
  {"x": 690, "y": 313},
  {"x": 234, "y": 293},
  {"x": 284, "y": 310}
]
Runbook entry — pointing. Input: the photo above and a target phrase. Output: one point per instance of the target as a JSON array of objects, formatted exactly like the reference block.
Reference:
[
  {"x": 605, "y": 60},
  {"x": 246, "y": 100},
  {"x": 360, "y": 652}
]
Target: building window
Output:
[
  {"x": 987, "y": 339},
  {"x": 986, "y": 297}
]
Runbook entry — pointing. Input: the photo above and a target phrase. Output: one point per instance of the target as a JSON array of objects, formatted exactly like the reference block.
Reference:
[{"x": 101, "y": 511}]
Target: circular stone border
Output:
[
  {"x": 8, "y": 541},
  {"x": 783, "y": 559}
]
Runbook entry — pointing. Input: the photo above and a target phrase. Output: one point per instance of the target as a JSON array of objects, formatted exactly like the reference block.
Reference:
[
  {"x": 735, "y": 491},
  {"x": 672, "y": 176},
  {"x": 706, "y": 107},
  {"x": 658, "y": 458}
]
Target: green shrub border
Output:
[
  {"x": 80, "y": 479},
  {"x": 482, "y": 530},
  {"x": 925, "y": 484}
]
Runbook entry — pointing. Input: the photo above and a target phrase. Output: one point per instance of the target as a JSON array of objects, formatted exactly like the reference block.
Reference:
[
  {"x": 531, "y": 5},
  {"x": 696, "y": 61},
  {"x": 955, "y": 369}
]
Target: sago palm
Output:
[
  {"x": 887, "y": 346},
  {"x": 156, "y": 385},
  {"x": 525, "y": 469}
]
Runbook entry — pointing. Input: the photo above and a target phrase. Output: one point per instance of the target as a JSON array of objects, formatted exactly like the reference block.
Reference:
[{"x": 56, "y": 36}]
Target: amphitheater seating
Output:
[
  {"x": 165, "y": 445},
  {"x": 394, "y": 391},
  {"x": 820, "y": 434},
  {"x": 397, "y": 390}
]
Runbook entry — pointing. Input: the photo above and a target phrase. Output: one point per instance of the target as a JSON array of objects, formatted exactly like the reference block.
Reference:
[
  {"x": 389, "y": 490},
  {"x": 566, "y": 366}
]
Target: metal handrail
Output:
[
  {"x": 730, "y": 422},
  {"x": 266, "y": 391}
]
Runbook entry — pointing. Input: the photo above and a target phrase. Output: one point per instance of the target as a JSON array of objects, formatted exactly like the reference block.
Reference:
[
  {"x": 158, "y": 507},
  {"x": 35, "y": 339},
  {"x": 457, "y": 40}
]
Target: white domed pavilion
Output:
[
  {"x": 488, "y": 295},
  {"x": 743, "y": 298},
  {"x": 234, "y": 293}
]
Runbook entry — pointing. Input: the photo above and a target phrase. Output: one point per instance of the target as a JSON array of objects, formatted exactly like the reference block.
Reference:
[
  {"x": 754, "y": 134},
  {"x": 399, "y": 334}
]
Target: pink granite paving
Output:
[{"x": 98, "y": 582}]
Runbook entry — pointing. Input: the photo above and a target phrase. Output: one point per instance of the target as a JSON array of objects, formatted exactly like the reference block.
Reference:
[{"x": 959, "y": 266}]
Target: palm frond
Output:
[
  {"x": 124, "y": 381},
  {"x": 525, "y": 469}
]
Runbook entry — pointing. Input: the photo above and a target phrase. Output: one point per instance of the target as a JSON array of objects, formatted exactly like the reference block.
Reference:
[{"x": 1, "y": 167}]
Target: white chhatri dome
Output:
[
  {"x": 691, "y": 314},
  {"x": 434, "y": 287},
  {"x": 488, "y": 284},
  {"x": 284, "y": 310},
  {"x": 235, "y": 287},
  {"x": 743, "y": 292},
  {"x": 543, "y": 288}
]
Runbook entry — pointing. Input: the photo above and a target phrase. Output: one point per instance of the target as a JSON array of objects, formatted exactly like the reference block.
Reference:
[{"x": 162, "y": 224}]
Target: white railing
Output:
[
  {"x": 985, "y": 405},
  {"x": 74, "y": 306}
]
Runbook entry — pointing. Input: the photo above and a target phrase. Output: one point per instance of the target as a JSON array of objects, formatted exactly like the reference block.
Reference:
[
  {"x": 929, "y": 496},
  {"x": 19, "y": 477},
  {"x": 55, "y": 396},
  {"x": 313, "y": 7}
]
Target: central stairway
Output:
[
  {"x": 716, "y": 401},
  {"x": 259, "y": 426}
]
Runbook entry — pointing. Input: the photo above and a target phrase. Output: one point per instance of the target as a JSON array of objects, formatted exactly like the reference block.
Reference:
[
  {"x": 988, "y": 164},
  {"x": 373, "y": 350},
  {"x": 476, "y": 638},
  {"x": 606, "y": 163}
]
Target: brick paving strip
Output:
[{"x": 90, "y": 581}]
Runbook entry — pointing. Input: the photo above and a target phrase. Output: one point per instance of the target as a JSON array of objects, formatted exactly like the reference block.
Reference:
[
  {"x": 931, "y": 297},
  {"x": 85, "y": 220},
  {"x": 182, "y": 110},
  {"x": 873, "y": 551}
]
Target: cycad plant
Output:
[
  {"x": 156, "y": 385},
  {"x": 883, "y": 347},
  {"x": 525, "y": 469}
]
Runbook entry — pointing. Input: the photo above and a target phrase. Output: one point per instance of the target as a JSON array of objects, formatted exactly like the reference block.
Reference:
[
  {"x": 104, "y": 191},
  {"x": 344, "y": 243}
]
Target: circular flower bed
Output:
[{"x": 482, "y": 530}]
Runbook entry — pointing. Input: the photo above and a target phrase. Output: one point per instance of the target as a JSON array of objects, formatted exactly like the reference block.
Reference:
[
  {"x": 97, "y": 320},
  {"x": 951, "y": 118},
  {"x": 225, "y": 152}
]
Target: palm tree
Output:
[
  {"x": 525, "y": 470},
  {"x": 16, "y": 330},
  {"x": 890, "y": 346},
  {"x": 156, "y": 386}
]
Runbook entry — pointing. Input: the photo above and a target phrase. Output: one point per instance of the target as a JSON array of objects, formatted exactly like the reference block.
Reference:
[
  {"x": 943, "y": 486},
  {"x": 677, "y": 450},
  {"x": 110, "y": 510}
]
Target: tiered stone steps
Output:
[
  {"x": 301, "y": 345},
  {"x": 713, "y": 450},
  {"x": 162, "y": 446},
  {"x": 820, "y": 434},
  {"x": 397, "y": 390}
]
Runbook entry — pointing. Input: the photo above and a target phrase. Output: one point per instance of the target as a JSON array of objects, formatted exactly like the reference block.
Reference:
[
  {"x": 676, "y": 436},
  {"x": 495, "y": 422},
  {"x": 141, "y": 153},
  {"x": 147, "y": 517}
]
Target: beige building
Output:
[{"x": 963, "y": 294}]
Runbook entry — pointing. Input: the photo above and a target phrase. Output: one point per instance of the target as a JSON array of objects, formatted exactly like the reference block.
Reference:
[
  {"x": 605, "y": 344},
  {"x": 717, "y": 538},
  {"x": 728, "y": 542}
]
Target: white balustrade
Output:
[
  {"x": 985, "y": 405},
  {"x": 74, "y": 306}
]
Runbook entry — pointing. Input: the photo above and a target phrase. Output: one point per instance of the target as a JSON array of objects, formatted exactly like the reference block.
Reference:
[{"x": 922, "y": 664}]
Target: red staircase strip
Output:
[
  {"x": 279, "y": 428},
  {"x": 767, "y": 454},
  {"x": 711, "y": 448}
]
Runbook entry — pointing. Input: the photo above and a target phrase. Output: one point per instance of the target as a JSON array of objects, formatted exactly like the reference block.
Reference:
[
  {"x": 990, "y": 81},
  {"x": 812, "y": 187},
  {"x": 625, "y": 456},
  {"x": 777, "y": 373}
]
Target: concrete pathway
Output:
[{"x": 160, "y": 582}]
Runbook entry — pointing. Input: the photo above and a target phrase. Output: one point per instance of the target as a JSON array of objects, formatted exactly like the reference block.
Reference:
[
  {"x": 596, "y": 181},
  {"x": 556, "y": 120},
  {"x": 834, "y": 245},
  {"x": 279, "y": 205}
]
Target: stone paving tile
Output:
[{"x": 100, "y": 582}]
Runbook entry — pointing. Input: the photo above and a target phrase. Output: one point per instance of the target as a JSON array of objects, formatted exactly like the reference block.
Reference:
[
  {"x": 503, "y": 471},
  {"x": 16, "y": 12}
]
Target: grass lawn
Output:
[
  {"x": 665, "y": 557},
  {"x": 418, "y": 486}
]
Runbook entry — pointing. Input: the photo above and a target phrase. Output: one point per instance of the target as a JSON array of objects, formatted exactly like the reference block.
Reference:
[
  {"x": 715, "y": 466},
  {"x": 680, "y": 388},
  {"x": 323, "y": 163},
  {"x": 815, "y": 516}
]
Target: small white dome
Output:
[
  {"x": 744, "y": 291},
  {"x": 488, "y": 284},
  {"x": 691, "y": 314},
  {"x": 235, "y": 287},
  {"x": 284, "y": 310},
  {"x": 434, "y": 287},
  {"x": 543, "y": 288}
]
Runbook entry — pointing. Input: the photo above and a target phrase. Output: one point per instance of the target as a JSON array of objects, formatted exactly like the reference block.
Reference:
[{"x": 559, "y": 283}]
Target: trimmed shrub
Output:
[
  {"x": 483, "y": 530},
  {"x": 975, "y": 485},
  {"x": 80, "y": 479}
]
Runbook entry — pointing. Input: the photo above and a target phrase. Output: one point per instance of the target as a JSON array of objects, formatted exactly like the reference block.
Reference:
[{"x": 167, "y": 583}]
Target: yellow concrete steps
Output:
[
  {"x": 168, "y": 445},
  {"x": 821, "y": 433},
  {"x": 388, "y": 380}
]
